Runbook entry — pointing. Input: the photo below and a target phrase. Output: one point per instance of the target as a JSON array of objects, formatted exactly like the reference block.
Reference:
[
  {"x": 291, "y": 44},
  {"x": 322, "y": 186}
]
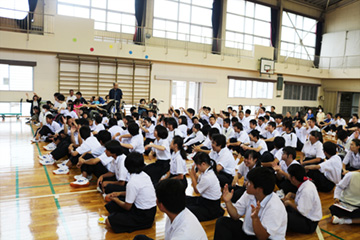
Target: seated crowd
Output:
[{"x": 271, "y": 152}]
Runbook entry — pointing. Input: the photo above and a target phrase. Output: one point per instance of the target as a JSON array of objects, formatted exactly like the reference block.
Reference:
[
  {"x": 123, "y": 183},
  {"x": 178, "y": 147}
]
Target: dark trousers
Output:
[
  {"x": 299, "y": 145},
  {"x": 238, "y": 192},
  {"x": 110, "y": 188},
  {"x": 45, "y": 130},
  {"x": 341, "y": 213},
  {"x": 299, "y": 223},
  {"x": 96, "y": 169},
  {"x": 157, "y": 169},
  {"x": 229, "y": 229},
  {"x": 146, "y": 142},
  {"x": 224, "y": 178},
  {"x": 286, "y": 186},
  {"x": 61, "y": 149},
  {"x": 190, "y": 147},
  {"x": 204, "y": 209},
  {"x": 74, "y": 159},
  {"x": 321, "y": 182}
]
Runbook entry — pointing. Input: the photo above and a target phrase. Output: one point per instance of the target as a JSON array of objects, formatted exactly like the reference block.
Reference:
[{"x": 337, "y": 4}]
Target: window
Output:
[
  {"x": 16, "y": 78},
  {"x": 292, "y": 110},
  {"x": 186, "y": 20},
  {"x": 109, "y": 15},
  {"x": 250, "y": 89},
  {"x": 15, "y": 9},
  {"x": 295, "y": 28},
  {"x": 300, "y": 92},
  {"x": 247, "y": 23},
  {"x": 185, "y": 94}
]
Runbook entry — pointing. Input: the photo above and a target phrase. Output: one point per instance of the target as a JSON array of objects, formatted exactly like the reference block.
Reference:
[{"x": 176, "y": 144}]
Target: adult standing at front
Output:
[{"x": 116, "y": 94}]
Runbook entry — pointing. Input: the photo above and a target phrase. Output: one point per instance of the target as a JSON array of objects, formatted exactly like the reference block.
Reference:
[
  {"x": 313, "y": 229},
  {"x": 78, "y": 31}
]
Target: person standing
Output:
[{"x": 116, "y": 94}]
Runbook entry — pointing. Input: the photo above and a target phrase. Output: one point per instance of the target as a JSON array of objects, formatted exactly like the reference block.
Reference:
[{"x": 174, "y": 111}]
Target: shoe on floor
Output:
[
  {"x": 99, "y": 189},
  {"x": 61, "y": 171},
  {"x": 34, "y": 140},
  {"x": 50, "y": 147},
  {"x": 46, "y": 157},
  {"x": 337, "y": 220},
  {"x": 81, "y": 182},
  {"x": 77, "y": 177},
  {"x": 47, "y": 162},
  {"x": 63, "y": 164}
]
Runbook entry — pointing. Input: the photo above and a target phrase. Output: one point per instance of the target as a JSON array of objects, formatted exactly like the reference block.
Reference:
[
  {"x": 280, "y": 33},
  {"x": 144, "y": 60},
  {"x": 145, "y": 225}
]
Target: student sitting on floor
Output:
[
  {"x": 240, "y": 137},
  {"x": 135, "y": 208},
  {"x": 312, "y": 152},
  {"x": 95, "y": 162},
  {"x": 270, "y": 135},
  {"x": 114, "y": 128},
  {"x": 178, "y": 168},
  {"x": 347, "y": 192},
  {"x": 282, "y": 175},
  {"x": 161, "y": 148},
  {"x": 180, "y": 223},
  {"x": 256, "y": 143},
  {"x": 251, "y": 160},
  {"x": 289, "y": 135},
  {"x": 148, "y": 128},
  {"x": 207, "y": 206},
  {"x": 194, "y": 139},
  {"x": 305, "y": 214},
  {"x": 277, "y": 152},
  {"x": 352, "y": 158},
  {"x": 49, "y": 129},
  {"x": 265, "y": 214},
  {"x": 136, "y": 140},
  {"x": 224, "y": 159},
  {"x": 99, "y": 125},
  {"x": 325, "y": 175},
  {"x": 206, "y": 145}
]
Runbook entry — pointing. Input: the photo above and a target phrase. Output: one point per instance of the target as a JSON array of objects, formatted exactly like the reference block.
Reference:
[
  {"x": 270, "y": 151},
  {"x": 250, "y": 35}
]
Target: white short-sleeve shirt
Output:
[
  {"x": 243, "y": 137},
  {"x": 99, "y": 127},
  {"x": 332, "y": 168},
  {"x": 209, "y": 185},
  {"x": 117, "y": 166},
  {"x": 261, "y": 143},
  {"x": 177, "y": 164},
  {"x": 137, "y": 142},
  {"x": 162, "y": 155},
  {"x": 284, "y": 167},
  {"x": 308, "y": 201},
  {"x": 150, "y": 134},
  {"x": 116, "y": 129},
  {"x": 313, "y": 150},
  {"x": 290, "y": 139},
  {"x": 105, "y": 161},
  {"x": 352, "y": 159},
  {"x": 90, "y": 144},
  {"x": 225, "y": 158}
]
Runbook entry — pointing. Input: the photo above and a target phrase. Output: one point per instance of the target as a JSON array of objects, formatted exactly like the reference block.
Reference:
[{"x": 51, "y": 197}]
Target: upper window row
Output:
[{"x": 247, "y": 23}]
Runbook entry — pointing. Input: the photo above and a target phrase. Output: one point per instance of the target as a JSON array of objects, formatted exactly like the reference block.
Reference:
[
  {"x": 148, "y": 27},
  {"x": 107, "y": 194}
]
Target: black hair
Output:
[
  {"x": 71, "y": 107},
  {"x": 342, "y": 135},
  {"x": 255, "y": 133},
  {"x": 234, "y": 120},
  {"x": 179, "y": 142},
  {"x": 254, "y": 155},
  {"x": 227, "y": 120},
  {"x": 50, "y": 116},
  {"x": 267, "y": 157},
  {"x": 177, "y": 111},
  {"x": 317, "y": 134},
  {"x": 253, "y": 122},
  {"x": 191, "y": 111},
  {"x": 313, "y": 119},
  {"x": 112, "y": 122},
  {"x": 238, "y": 125},
  {"x": 61, "y": 97},
  {"x": 148, "y": 120},
  {"x": 213, "y": 131},
  {"x": 183, "y": 120},
  {"x": 133, "y": 129},
  {"x": 357, "y": 142},
  {"x": 330, "y": 114},
  {"x": 263, "y": 108},
  {"x": 134, "y": 162},
  {"x": 98, "y": 119},
  {"x": 212, "y": 116},
  {"x": 84, "y": 132},
  {"x": 248, "y": 111},
  {"x": 201, "y": 157},
  {"x": 279, "y": 142},
  {"x": 161, "y": 131},
  {"x": 171, "y": 194},
  {"x": 47, "y": 107},
  {"x": 338, "y": 115},
  {"x": 197, "y": 126},
  {"x": 135, "y": 115},
  {"x": 266, "y": 117},
  {"x": 171, "y": 121},
  {"x": 273, "y": 107},
  {"x": 290, "y": 151},
  {"x": 56, "y": 94},
  {"x": 78, "y": 93},
  {"x": 132, "y": 109},
  {"x": 230, "y": 108},
  {"x": 355, "y": 115},
  {"x": 330, "y": 148},
  {"x": 143, "y": 99},
  {"x": 103, "y": 136},
  {"x": 262, "y": 119},
  {"x": 288, "y": 125},
  {"x": 297, "y": 171},
  {"x": 219, "y": 139},
  {"x": 263, "y": 178},
  {"x": 279, "y": 116},
  {"x": 272, "y": 124},
  {"x": 36, "y": 108},
  {"x": 194, "y": 118},
  {"x": 114, "y": 147},
  {"x": 205, "y": 129}
]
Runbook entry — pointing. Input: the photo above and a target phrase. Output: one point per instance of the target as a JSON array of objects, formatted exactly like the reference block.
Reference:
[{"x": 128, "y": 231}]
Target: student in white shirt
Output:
[
  {"x": 240, "y": 137},
  {"x": 148, "y": 128},
  {"x": 228, "y": 131},
  {"x": 183, "y": 126},
  {"x": 62, "y": 104},
  {"x": 114, "y": 128},
  {"x": 98, "y": 124},
  {"x": 279, "y": 143},
  {"x": 347, "y": 191},
  {"x": 262, "y": 125},
  {"x": 104, "y": 118},
  {"x": 271, "y": 133},
  {"x": 343, "y": 142},
  {"x": 327, "y": 174},
  {"x": 71, "y": 96},
  {"x": 206, "y": 145},
  {"x": 135, "y": 208},
  {"x": 265, "y": 214},
  {"x": 253, "y": 126},
  {"x": 300, "y": 131},
  {"x": 283, "y": 180},
  {"x": 339, "y": 121},
  {"x": 305, "y": 214},
  {"x": 224, "y": 159},
  {"x": 256, "y": 144},
  {"x": 161, "y": 148},
  {"x": 178, "y": 168},
  {"x": 312, "y": 152},
  {"x": 351, "y": 160},
  {"x": 70, "y": 111},
  {"x": 214, "y": 124},
  {"x": 279, "y": 122},
  {"x": 251, "y": 160},
  {"x": 310, "y": 126},
  {"x": 180, "y": 223},
  {"x": 289, "y": 136},
  {"x": 49, "y": 129},
  {"x": 194, "y": 139},
  {"x": 173, "y": 130},
  {"x": 207, "y": 206},
  {"x": 136, "y": 143}
]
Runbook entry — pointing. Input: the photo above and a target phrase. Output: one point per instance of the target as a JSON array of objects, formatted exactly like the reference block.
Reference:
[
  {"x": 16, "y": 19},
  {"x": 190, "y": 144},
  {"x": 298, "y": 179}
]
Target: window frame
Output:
[
  {"x": 301, "y": 85},
  {"x": 19, "y": 64},
  {"x": 253, "y": 80}
]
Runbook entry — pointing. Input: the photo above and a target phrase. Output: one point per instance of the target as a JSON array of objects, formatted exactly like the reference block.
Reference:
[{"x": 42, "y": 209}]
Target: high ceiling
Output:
[{"x": 323, "y": 4}]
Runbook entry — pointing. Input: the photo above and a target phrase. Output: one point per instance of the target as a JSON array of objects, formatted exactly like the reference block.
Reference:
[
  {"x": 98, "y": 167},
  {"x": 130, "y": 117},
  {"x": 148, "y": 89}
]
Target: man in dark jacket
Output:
[{"x": 116, "y": 94}]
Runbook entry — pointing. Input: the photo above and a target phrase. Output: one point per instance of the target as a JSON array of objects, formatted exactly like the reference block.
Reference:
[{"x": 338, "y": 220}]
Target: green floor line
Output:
[
  {"x": 18, "y": 232},
  {"x": 331, "y": 234},
  {"x": 40, "y": 186},
  {"x": 53, "y": 192}
]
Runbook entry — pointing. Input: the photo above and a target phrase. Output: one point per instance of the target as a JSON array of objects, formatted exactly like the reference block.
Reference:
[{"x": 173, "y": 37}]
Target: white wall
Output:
[{"x": 344, "y": 18}]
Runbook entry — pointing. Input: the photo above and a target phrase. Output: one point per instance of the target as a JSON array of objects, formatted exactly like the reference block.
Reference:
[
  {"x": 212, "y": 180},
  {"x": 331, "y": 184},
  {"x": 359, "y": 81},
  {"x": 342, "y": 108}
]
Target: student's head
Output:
[
  {"x": 312, "y": 122},
  {"x": 289, "y": 153},
  {"x": 226, "y": 122},
  {"x": 195, "y": 120},
  {"x": 234, "y": 113},
  {"x": 182, "y": 120},
  {"x": 234, "y": 120},
  {"x": 49, "y": 118},
  {"x": 170, "y": 196},
  {"x": 261, "y": 121},
  {"x": 247, "y": 112},
  {"x": 254, "y": 135},
  {"x": 355, "y": 118},
  {"x": 299, "y": 123},
  {"x": 240, "y": 107},
  {"x": 288, "y": 127},
  {"x": 70, "y": 107},
  {"x": 212, "y": 120},
  {"x": 262, "y": 110},
  {"x": 142, "y": 101},
  {"x": 177, "y": 145},
  {"x": 112, "y": 122},
  {"x": 251, "y": 158},
  {"x": 84, "y": 132},
  {"x": 288, "y": 114},
  {"x": 315, "y": 136},
  {"x": 273, "y": 108},
  {"x": 147, "y": 122},
  {"x": 212, "y": 132},
  {"x": 338, "y": 116},
  {"x": 355, "y": 145},
  {"x": 329, "y": 115},
  {"x": 203, "y": 162},
  {"x": 134, "y": 162},
  {"x": 113, "y": 148},
  {"x": 61, "y": 97},
  {"x": 297, "y": 174},
  {"x": 230, "y": 109},
  {"x": 238, "y": 127},
  {"x": 45, "y": 107},
  {"x": 261, "y": 181},
  {"x": 205, "y": 129},
  {"x": 218, "y": 142},
  {"x": 71, "y": 92},
  {"x": 36, "y": 109},
  {"x": 171, "y": 124},
  {"x": 278, "y": 118},
  {"x": 160, "y": 132},
  {"x": 132, "y": 110},
  {"x": 342, "y": 135},
  {"x": 196, "y": 127},
  {"x": 103, "y": 136},
  {"x": 98, "y": 119},
  {"x": 329, "y": 149},
  {"x": 279, "y": 142},
  {"x": 266, "y": 118},
  {"x": 191, "y": 111},
  {"x": 135, "y": 115},
  {"x": 253, "y": 123},
  {"x": 241, "y": 114},
  {"x": 271, "y": 126},
  {"x": 133, "y": 129}
]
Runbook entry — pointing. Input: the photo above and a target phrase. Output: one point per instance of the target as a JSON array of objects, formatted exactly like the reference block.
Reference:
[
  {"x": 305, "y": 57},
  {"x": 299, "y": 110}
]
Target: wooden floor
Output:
[{"x": 35, "y": 204}]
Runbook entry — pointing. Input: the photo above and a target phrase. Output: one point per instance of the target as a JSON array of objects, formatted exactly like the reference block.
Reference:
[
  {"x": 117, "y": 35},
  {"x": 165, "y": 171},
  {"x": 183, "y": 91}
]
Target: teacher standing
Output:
[{"x": 116, "y": 94}]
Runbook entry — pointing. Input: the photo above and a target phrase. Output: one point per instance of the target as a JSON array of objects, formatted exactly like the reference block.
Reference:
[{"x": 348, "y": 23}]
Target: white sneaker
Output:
[
  {"x": 61, "y": 171},
  {"x": 337, "y": 220},
  {"x": 77, "y": 177},
  {"x": 42, "y": 139},
  {"x": 98, "y": 189},
  {"x": 38, "y": 124},
  {"x": 46, "y": 157},
  {"x": 50, "y": 147},
  {"x": 34, "y": 140},
  {"x": 63, "y": 164},
  {"x": 280, "y": 193},
  {"x": 81, "y": 182},
  {"x": 47, "y": 162}
]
